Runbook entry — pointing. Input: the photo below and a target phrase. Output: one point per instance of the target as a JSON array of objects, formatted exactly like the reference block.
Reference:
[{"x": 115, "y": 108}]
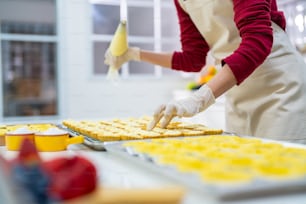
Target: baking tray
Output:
[
  {"x": 88, "y": 141},
  {"x": 100, "y": 145},
  {"x": 254, "y": 189}
]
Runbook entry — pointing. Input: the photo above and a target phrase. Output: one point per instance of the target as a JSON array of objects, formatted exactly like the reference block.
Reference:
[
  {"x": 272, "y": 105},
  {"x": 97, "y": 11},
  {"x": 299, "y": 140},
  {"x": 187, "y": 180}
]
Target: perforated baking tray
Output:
[
  {"x": 98, "y": 144},
  {"x": 88, "y": 141},
  {"x": 253, "y": 189}
]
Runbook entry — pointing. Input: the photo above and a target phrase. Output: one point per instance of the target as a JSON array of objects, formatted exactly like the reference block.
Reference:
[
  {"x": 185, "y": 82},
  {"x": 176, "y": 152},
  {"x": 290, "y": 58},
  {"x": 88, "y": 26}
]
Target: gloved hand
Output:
[
  {"x": 132, "y": 53},
  {"x": 197, "y": 102}
]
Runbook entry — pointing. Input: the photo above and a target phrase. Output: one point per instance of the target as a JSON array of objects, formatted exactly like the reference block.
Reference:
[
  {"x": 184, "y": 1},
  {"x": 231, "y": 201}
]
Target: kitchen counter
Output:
[{"x": 115, "y": 172}]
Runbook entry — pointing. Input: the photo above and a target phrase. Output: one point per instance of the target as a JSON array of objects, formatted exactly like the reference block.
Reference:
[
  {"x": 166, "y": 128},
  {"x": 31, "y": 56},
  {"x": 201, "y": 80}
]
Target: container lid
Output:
[
  {"x": 24, "y": 130},
  {"x": 53, "y": 131}
]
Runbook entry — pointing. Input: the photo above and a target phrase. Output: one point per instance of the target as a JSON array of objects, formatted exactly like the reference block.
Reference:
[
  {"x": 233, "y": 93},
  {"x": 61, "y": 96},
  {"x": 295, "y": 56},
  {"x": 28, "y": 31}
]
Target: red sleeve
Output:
[
  {"x": 192, "y": 58},
  {"x": 277, "y": 16},
  {"x": 253, "y": 20}
]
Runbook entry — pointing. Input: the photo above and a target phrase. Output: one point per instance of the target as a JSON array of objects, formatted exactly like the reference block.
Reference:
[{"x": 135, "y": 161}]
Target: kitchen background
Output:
[{"x": 52, "y": 53}]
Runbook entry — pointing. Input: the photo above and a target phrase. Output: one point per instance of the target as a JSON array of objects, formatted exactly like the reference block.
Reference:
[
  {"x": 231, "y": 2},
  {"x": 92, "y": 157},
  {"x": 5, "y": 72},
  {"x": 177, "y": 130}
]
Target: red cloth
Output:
[
  {"x": 70, "y": 177},
  {"x": 252, "y": 18}
]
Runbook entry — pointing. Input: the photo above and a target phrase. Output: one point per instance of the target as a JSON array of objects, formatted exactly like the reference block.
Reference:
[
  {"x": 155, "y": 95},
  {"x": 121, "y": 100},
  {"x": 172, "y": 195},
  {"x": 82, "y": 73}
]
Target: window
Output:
[
  {"x": 28, "y": 58},
  {"x": 295, "y": 12},
  {"x": 152, "y": 25}
]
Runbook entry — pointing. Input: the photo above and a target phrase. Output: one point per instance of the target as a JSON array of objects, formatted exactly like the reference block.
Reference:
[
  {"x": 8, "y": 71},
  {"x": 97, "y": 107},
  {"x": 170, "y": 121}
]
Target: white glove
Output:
[
  {"x": 197, "y": 102},
  {"x": 132, "y": 53}
]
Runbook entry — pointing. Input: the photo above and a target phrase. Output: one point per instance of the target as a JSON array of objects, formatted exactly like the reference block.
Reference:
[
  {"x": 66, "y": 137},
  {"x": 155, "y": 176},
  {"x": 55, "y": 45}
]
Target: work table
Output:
[{"x": 117, "y": 172}]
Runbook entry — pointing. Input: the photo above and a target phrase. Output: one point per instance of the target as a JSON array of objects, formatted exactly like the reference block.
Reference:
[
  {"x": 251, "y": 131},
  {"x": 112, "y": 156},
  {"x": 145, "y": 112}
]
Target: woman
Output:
[{"x": 262, "y": 74}]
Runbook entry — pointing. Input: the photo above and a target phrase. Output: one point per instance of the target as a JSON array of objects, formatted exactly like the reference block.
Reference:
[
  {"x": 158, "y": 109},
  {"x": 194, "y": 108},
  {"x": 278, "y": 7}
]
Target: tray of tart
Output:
[
  {"x": 228, "y": 167},
  {"x": 99, "y": 132}
]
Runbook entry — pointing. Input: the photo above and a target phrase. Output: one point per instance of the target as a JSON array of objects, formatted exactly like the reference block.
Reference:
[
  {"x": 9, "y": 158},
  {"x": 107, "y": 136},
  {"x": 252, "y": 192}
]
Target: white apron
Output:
[{"x": 271, "y": 102}]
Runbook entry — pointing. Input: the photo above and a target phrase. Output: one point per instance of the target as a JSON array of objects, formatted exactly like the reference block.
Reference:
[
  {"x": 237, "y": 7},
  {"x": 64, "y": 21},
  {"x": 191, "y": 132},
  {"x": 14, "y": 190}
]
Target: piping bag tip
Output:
[{"x": 113, "y": 76}]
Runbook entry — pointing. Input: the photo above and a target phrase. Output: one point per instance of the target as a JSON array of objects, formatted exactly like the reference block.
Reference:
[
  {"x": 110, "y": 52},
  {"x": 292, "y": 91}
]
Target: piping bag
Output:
[{"x": 119, "y": 43}]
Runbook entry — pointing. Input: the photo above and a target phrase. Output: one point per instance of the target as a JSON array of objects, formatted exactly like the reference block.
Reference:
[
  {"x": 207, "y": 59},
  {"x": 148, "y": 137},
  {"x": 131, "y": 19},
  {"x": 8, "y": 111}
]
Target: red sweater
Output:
[{"x": 250, "y": 17}]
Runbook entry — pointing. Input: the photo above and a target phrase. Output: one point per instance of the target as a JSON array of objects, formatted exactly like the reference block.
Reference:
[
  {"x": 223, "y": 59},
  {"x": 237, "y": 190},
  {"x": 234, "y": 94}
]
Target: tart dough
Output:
[
  {"x": 224, "y": 159},
  {"x": 135, "y": 128}
]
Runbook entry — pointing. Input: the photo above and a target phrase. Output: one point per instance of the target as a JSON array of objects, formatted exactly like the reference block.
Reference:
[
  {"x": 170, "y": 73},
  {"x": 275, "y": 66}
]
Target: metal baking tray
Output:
[
  {"x": 98, "y": 144},
  {"x": 88, "y": 141},
  {"x": 229, "y": 192}
]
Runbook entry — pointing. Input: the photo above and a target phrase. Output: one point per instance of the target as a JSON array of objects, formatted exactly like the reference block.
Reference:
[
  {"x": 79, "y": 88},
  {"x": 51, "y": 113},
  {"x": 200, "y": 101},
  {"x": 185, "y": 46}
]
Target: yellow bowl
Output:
[
  {"x": 13, "y": 141},
  {"x": 52, "y": 143}
]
